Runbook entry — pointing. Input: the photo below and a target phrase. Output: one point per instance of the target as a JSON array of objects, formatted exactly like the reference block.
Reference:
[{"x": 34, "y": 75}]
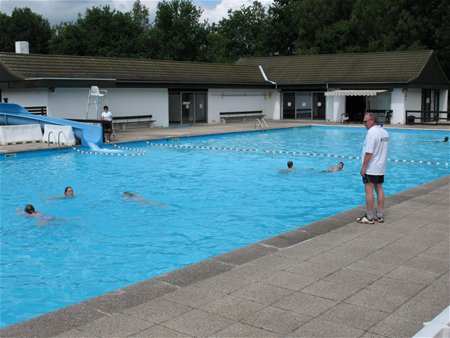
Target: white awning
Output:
[{"x": 357, "y": 92}]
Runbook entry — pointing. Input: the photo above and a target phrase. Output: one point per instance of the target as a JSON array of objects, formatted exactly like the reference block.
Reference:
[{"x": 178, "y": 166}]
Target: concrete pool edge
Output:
[{"x": 65, "y": 319}]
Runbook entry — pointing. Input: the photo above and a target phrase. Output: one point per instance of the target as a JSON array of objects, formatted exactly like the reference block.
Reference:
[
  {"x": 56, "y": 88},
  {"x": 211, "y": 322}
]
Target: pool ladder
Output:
[
  {"x": 261, "y": 124},
  {"x": 58, "y": 141}
]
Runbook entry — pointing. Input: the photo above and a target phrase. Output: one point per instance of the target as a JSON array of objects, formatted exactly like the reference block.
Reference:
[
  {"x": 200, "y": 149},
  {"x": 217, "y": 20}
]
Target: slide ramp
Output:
[{"x": 11, "y": 113}]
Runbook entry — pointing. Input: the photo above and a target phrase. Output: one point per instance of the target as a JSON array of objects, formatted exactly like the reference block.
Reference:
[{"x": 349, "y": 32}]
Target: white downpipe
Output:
[{"x": 265, "y": 77}]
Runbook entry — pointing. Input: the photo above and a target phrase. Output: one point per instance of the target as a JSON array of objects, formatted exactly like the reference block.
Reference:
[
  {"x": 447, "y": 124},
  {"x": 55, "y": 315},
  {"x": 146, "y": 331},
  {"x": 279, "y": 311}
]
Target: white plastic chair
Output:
[
  {"x": 344, "y": 118},
  {"x": 95, "y": 94}
]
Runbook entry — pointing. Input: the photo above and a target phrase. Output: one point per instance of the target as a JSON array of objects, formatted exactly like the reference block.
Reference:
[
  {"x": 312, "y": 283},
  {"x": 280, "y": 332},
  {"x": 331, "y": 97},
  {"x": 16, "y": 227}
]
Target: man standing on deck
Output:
[{"x": 374, "y": 156}]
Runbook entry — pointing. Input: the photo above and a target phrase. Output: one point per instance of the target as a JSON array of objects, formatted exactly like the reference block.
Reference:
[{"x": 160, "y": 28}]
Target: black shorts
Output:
[
  {"x": 107, "y": 125},
  {"x": 375, "y": 179}
]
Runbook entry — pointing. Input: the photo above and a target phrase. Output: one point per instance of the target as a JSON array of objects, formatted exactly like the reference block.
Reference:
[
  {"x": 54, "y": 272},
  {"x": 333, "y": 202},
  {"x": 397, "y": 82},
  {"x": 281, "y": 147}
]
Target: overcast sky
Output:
[{"x": 56, "y": 11}]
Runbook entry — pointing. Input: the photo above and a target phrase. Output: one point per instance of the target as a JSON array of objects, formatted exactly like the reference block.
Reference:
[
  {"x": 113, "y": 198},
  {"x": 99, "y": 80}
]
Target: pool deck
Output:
[{"x": 331, "y": 278}]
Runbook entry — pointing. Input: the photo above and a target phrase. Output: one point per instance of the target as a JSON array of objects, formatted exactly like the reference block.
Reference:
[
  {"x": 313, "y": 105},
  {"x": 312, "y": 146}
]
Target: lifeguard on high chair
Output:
[{"x": 94, "y": 99}]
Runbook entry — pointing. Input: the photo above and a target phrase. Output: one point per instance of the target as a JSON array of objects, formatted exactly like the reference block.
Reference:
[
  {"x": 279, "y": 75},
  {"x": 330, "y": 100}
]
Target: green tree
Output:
[
  {"x": 101, "y": 32},
  {"x": 24, "y": 25},
  {"x": 245, "y": 31},
  {"x": 281, "y": 35},
  {"x": 181, "y": 35},
  {"x": 315, "y": 20},
  {"x": 140, "y": 15}
]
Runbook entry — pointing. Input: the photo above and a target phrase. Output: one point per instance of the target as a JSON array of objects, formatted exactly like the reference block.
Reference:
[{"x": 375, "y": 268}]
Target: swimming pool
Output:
[{"x": 215, "y": 200}]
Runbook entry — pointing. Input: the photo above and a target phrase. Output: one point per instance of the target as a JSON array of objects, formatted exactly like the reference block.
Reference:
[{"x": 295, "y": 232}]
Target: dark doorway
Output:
[
  {"x": 288, "y": 106},
  {"x": 355, "y": 106},
  {"x": 318, "y": 107}
]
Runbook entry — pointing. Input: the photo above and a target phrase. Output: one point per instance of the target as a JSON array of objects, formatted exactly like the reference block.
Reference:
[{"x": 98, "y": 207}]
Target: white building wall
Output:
[
  {"x": 28, "y": 97},
  {"x": 443, "y": 100},
  {"x": 234, "y": 100},
  {"x": 335, "y": 107},
  {"x": 72, "y": 102},
  {"x": 398, "y": 106}
]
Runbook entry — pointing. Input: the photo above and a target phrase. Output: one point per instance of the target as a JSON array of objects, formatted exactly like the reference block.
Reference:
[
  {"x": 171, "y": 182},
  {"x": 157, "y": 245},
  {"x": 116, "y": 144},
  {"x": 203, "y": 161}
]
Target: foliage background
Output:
[{"x": 287, "y": 27}]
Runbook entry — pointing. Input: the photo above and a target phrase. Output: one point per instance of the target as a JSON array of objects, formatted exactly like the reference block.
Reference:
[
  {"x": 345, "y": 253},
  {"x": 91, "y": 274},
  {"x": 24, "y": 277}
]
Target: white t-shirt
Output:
[
  {"x": 107, "y": 116},
  {"x": 376, "y": 143}
]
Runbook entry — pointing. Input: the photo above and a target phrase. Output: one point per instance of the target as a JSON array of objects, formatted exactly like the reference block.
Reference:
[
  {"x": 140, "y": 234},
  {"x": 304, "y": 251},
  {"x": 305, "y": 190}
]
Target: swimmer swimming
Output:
[
  {"x": 30, "y": 211},
  {"x": 336, "y": 168},
  {"x": 68, "y": 193},
  {"x": 135, "y": 197}
]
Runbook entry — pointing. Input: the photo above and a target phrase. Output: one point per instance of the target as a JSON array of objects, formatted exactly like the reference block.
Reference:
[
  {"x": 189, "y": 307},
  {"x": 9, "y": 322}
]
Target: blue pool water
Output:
[{"x": 215, "y": 201}]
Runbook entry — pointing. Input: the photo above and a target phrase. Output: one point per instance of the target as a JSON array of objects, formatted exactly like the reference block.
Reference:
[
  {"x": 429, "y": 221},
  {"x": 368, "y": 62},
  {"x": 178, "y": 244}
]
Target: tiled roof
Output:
[
  {"x": 31, "y": 66},
  {"x": 383, "y": 67}
]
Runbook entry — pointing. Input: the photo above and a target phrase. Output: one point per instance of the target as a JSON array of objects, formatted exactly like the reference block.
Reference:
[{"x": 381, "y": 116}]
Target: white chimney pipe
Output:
[{"x": 22, "y": 47}]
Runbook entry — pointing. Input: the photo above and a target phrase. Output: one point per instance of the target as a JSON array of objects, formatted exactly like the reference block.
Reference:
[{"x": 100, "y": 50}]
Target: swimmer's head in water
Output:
[
  {"x": 290, "y": 164},
  {"x": 29, "y": 209},
  {"x": 128, "y": 194},
  {"x": 68, "y": 191},
  {"x": 446, "y": 139},
  {"x": 341, "y": 165}
]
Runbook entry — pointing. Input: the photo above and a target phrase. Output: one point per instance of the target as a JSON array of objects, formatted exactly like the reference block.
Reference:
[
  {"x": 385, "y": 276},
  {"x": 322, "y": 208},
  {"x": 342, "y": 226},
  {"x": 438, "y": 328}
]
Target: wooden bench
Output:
[
  {"x": 37, "y": 110},
  {"x": 241, "y": 115},
  {"x": 425, "y": 117},
  {"x": 122, "y": 121}
]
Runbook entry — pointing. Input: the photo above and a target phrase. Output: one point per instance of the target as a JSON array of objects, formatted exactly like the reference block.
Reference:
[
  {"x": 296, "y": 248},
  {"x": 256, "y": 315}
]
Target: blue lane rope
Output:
[{"x": 252, "y": 150}]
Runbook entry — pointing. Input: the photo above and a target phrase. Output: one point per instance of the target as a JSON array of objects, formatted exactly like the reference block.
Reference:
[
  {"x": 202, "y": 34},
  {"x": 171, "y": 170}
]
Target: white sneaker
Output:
[{"x": 365, "y": 220}]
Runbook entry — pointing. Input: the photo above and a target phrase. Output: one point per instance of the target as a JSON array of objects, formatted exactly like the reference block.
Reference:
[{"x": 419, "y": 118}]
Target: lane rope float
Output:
[
  {"x": 90, "y": 152},
  {"x": 286, "y": 152},
  {"x": 129, "y": 148}
]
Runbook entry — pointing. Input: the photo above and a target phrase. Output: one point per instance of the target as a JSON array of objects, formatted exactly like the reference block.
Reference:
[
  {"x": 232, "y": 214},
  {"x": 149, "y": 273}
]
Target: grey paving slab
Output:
[
  {"x": 351, "y": 277},
  {"x": 305, "y": 304},
  {"x": 53, "y": 323},
  {"x": 119, "y": 325},
  {"x": 386, "y": 286},
  {"x": 354, "y": 316},
  {"x": 234, "y": 308},
  {"x": 158, "y": 331},
  {"x": 428, "y": 303},
  {"x": 198, "y": 323},
  {"x": 373, "y": 300},
  {"x": 224, "y": 283},
  {"x": 311, "y": 269},
  {"x": 262, "y": 293},
  {"x": 331, "y": 290},
  {"x": 405, "y": 247},
  {"x": 373, "y": 267},
  {"x": 394, "y": 326},
  {"x": 351, "y": 250},
  {"x": 253, "y": 272},
  {"x": 277, "y": 320},
  {"x": 290, "y": 281},
  {"x": 427, "y": 263},
  {"x": 246, "y": 254},
  {"x": 328, "y": 258},
  {"x": 131, "y": 296},
  {"x": 75, "y": 334},
  {"x": 192, "y": 296},
  {"x": 440, "y": 250},
  {"x": 157, "y": 310},
  {"x": 243, "y": 330},
  {"x": 325, "y": 328},
  {"x": 194, "y": 273},
  {"x": 426, "y": 236},
  {"x": 413, "y": 275}
]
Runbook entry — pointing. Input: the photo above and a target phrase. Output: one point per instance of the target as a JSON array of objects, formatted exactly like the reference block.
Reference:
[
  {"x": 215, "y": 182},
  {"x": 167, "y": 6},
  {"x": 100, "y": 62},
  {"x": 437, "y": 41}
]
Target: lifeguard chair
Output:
[{"x": 94, "y": 97}]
